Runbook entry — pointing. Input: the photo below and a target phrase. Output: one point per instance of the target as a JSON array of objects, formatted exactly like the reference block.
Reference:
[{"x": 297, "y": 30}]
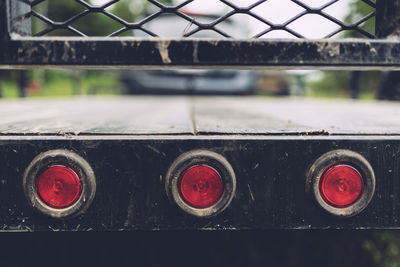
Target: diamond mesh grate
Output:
[{"x": 227, "y": 19}]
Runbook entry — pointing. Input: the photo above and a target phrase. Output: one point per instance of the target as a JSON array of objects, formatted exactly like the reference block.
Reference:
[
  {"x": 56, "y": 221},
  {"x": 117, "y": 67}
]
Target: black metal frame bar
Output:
[
  {"x": 21, "y": 51},
  {"x": 26, "y": 52},
  {"x": 130, "y": 195}
]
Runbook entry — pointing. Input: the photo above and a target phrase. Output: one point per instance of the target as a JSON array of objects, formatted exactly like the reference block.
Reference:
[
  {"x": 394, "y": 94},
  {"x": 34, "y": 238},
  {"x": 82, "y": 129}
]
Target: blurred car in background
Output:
[{"x": 190, "y": 81}]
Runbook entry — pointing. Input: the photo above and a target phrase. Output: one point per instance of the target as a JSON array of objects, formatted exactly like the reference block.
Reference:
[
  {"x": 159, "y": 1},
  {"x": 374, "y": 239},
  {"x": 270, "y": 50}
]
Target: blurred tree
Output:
[
  {"x": 92, "y": 24},
  {"x": 359, "y": 10},
  {"x": 132, "y": 11},
  {"x": 354, "y": 82}
]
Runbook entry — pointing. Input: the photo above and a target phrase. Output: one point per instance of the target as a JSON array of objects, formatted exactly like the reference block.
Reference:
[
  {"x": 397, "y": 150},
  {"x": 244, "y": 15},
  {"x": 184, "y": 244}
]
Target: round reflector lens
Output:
[
  {"x": 59, "y": 186},
  {"x": 341, "y": 185},
  {"x": 201, "y": 186}
]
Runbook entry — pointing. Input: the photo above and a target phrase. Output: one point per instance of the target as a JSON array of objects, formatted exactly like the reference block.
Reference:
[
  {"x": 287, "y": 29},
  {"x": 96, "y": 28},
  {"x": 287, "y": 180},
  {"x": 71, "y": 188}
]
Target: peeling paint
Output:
[
  {"x": 48, "y": 52},
  {"x": 162, "y": 47}
]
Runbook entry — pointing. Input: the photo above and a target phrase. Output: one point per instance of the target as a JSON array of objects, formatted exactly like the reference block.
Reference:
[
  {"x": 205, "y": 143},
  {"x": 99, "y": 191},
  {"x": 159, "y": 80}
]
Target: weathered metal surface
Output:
[
  {"x": 295, "y": 116},
  {"x": 124, "y": 52},
  {"x": 270, "y": 154},
  {"x": 28, "y": 52},
  {"x": 201, "y": 116},
  {"x": 96, "y": 116},
  {"x": 130, "y": 145},
  {"x": 270, "y": 172}
]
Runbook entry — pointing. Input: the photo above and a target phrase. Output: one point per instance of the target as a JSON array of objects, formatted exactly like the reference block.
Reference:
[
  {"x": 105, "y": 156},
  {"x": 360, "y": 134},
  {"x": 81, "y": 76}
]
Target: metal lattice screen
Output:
[{"x": 222, "y": 18}]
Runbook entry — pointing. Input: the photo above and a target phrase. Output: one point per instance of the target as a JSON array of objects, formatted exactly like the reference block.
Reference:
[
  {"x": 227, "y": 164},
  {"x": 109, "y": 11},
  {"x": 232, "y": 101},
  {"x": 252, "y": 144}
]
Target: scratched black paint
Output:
[
  {"x": 27, "y": 52},
  {"x": 270, "y": 184}
]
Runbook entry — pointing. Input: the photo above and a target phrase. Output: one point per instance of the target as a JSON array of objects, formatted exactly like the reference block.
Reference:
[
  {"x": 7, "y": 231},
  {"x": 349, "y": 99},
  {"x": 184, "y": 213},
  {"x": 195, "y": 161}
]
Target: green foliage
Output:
[
  {"x": 384, "y": 247},
  {"x": 128, "y": 10},
  {"x": 93, "y": 24},
  {"x": 359, "y": 10},
  {"x": 332, "y": 84},
  {"x": 68, "y": 83},
  {"x": 54, "y": 83},
  {"x": 166, "y": 2},
  {"x": 337, "y": 84}
]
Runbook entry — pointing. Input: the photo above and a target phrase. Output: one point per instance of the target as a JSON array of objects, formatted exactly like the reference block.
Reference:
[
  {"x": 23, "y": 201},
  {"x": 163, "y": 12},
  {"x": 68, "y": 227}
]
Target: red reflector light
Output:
[
  {"x": 59, "y": 186},
  {"x": 201, "y": 186},
  {"x": 341, "y": 185}
]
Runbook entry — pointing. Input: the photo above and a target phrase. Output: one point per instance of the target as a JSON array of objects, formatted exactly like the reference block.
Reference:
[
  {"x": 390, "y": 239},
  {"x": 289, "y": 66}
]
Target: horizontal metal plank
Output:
[
  {"x": 96, "y": 116},
  {"x": 295, "y": 116},
  {"x": 128, "y": 52},
  {"x": 141, "y": 115}
]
